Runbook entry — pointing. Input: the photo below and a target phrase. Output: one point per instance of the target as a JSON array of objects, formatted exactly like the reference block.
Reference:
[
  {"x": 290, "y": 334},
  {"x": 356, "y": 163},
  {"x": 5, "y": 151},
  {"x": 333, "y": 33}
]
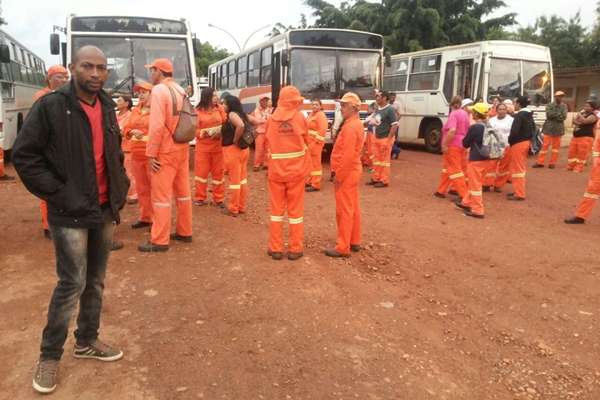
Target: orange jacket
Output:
[
  {"x": 41, "y": 92},
  {"x": 264, "y": 115},
  {"x": 317, "y": 127},
  {"x": 209, "y": 125},
  {"x": 122, "y": 121},
  {"x": 345, "y": 156},
  {"x": 287, "y": 143},
  {"x": 162, "y": 121},
  {"x": 138, "y": 119}
]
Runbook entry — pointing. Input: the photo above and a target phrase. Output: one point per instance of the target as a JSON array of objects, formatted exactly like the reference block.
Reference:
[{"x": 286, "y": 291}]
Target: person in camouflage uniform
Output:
[{"x": 554, "y": 129}]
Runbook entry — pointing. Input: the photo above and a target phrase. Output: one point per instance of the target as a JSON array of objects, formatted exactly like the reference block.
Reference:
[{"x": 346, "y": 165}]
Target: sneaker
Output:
[
  {"x": 184, "y": 239},
  {"x": 141, "y": 225},
  {"x": 453, "y": 193},
  {"x": 439, "y": 195},
  {"x": 512, "y": 197},
  {"x": 295, "y": 256},
  {"x": 275, "y": 255},
  {"x": 311, "y": 189},
  {"x": 7, "y": 178},
  {"x": 44, "y": 379},
  {"x": 486, "y": 189},
  {"x": 551, "y": 166},
  {"x": 355, "y": 248},
  {"x": 97, "y": 351},
  {"x": 380, "y": 185},
  {"x": 229, "y": 213},
  {"x": 469, "y": 213},
  {"x": 335, "y": 254},
  {"x": 200, "y": 203},
  {"x": 575, "y": 221},
  {"x": 536, "y": 165},
  {"x": 149, "y": 247},
  {"x": 372, "y": 183},
  {"x": 460, "y": 205}
]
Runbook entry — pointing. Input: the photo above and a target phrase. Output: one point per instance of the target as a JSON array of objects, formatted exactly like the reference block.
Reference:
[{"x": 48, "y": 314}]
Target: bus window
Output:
[
  {"x": 505, "y": 79},
  {"x": 232, "y": 74},
  {"x": 449, "y": 81},
  {"x": 359, "y": 73},
  {"x": 265, "y": 66},
  {"x": 536, "y": 81},
  {"x": 223, "y": 80},
  {"x": 313, "y": 72},
  {"x": 425, "y": 73},
  {"x": 458, "y": 79},
  {"x": 395, "y": 76},
  {"x": 242, "y": 64},
  {"x": 253, "y": 69}
]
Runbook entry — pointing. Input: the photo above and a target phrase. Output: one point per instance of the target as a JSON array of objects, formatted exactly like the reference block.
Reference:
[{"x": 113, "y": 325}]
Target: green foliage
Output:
[{"x": 209, "y": 55}]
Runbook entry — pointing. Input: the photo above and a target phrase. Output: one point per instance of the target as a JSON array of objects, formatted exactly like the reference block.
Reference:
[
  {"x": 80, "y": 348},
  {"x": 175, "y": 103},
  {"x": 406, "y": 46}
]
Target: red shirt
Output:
[{"x": 94, "y": 114}]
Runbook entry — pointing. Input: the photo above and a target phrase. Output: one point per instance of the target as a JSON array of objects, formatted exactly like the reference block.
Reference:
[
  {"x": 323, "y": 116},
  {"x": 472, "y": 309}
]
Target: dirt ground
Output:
[{"x": 438, "y": 306}]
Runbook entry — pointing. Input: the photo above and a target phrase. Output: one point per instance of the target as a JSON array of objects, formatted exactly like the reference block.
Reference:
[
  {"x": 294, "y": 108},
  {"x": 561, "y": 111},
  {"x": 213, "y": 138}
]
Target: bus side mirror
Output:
[
  {"x": 4, "y": 53},
  {"x": 285, "y": 58},
  {"x": 54, "y": 44},
  {"x": 197, "y": 47},
  {"x": 388, "y": 59}
]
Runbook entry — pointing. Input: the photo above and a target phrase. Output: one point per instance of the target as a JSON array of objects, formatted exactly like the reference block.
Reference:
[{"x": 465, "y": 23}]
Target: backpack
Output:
[
  {"x": 492, "y": 145},
  {"x": 249, "y": 133},
  {"x": 537, "y": 142},
  {"x": 185, "y": 131}
]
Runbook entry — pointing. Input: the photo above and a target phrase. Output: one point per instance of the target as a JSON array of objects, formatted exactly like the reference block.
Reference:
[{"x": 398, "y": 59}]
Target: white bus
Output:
[
  {"x": 425, "y": 81},
  {"x": 321, "y": 63},
  {"x": 22, "y": 74},
  {"x": 129, "y": 44}
]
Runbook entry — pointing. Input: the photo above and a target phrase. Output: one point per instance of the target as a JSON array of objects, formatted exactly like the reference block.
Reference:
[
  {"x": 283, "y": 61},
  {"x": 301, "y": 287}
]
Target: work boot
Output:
[
  {"x": 470, "y": 213},
  {"x": 453, "y": 193},
  {"x": 178, "y": 237},
  {"x": 7, "y": 178},
  {"x": 372, "y": 183},
  {"x": 97, "y": 351},
  {"x": 200, "y": 203},
  {"x": 44, "y": 378},
  {"x": 458, "y": 203},
  {"x": 150, "y": 247},
  {"x": 485, "y": 189},
  {"x": 229, "y": 213},
  {"x": 575, "y": 221},
  {"x": 294, "y": 256},
  {"x": 537, "y": 165},
  {"x": 47, "y": 234},
  {"x": 380, "y": 185},
  {"x": 141, "y": 225},
  {"x": 275, "y": 255},
  {"x": 512, "y": 197},
  {"x": 439, "y": 195},
  {"x": 355, "y": 248},
  {"x": 311, "y": 189},
  {"x": 335, "y": 254},
  {"x": 551, "y": 166},
  {"x": 116, "y": 245}
]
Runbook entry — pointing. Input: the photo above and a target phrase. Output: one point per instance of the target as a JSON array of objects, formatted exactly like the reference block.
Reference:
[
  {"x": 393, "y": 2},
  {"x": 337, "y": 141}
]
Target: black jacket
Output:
[
  {"x": 474, "y": 141},
  {"x": 54, "y": 157},
  {"x": 523, "y": 127}
]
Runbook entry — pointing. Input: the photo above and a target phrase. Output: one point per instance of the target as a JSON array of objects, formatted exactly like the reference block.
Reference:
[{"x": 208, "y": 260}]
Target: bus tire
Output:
[{"x": 433, "y": 136}]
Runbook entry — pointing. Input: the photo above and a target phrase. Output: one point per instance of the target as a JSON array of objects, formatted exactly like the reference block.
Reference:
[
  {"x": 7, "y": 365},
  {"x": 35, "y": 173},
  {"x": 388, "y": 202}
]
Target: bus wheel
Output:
[{"x": 433, "y": 137}]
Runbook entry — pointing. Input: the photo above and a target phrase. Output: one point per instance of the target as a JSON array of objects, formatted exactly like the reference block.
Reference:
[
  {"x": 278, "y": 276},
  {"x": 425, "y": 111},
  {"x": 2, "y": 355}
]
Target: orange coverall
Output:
[
  {"x": 592, "y": 193},
  {"x": 260, "y": 145},
  {"x": 172, "y": 180},
  {"x": 579, "y": 151},
  {"x": 518, "y": 167},
  {"x": 476, "y": 171},
  {"x": 287, "y": 136},
  {"x": 452, "y": 171},
  {"x": 43, "y": 204},
  {"x": 139, "y": 119},
  {"x": 553, "y": 141},
  {"x": 346, "y": 162},
  {"x": 317, "y": 128},
  {"x": 127, "y": 162},
  {"x": 209, "y": 155}
]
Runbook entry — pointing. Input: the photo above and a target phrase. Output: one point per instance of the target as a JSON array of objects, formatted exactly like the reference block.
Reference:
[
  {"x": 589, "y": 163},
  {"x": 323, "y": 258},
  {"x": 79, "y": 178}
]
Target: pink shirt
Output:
[{"x": 459, "y": 120}]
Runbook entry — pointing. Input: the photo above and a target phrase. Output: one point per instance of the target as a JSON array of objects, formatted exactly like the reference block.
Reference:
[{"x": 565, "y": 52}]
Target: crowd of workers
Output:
[{"x": 86, "y": 160}]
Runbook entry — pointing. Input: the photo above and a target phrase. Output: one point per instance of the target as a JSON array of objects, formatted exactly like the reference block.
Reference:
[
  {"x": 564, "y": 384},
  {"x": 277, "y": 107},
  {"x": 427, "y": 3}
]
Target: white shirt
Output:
[{"x": 502, "y": 126}]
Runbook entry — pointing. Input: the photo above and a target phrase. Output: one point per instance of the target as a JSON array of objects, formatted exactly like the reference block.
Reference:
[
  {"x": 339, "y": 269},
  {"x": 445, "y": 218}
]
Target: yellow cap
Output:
[{"x": 481, "y": 108}]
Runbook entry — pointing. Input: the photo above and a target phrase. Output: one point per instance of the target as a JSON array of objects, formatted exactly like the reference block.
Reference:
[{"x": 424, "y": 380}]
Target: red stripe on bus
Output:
[{"x": 255, "y": 91}]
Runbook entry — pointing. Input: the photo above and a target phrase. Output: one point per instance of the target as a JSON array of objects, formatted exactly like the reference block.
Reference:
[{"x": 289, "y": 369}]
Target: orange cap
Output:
[
  {"x": 288, "y": 104},
  {"x": 57, "y": 69},
  {"x": 351, "y": 98},
  {"x": 142, "y": 85},
  {"x": 162, "y": 64}
]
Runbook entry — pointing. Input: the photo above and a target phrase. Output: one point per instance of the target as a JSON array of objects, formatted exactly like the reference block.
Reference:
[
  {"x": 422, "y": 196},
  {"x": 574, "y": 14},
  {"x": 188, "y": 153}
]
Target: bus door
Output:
[
  {"x": 275, "y": 77},
  {"x": 459, "y": 79}
]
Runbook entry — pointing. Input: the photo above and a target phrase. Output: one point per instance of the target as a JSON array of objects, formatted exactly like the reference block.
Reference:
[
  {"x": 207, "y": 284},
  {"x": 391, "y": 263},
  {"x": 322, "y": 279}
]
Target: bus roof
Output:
[
  {"x": 487, "y": 45},
  {"x": 285, "y": 36}
]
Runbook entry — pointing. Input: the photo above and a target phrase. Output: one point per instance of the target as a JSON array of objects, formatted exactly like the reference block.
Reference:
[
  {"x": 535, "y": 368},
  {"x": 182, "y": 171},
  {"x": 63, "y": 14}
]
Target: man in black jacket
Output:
[{"x": 68, "y": 154}]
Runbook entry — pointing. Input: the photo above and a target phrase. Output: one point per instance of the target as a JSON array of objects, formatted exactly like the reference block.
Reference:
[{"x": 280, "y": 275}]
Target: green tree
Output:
[{"x": 209, "y": 54}]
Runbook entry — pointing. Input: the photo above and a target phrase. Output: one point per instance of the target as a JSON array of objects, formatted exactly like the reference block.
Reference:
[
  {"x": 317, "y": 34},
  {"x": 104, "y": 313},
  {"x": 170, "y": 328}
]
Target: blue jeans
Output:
[{"x": 81, "y": 259}]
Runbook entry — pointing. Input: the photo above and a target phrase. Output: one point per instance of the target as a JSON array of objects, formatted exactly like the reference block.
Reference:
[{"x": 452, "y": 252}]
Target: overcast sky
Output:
[{"x": 31, "y": 21}]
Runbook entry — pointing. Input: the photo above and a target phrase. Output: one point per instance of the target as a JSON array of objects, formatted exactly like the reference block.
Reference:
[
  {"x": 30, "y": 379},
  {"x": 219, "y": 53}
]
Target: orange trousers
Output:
[
  {"x": 592, "y": 193},
  {"x": 286, "y": 196},
  {"x": 260, "y": 150},
  {"x": 236, "y": 163},
  {"x": 579, "y": 151},
  {"x": 476, "y": 171},
  {"x": 347, "y": 213},
  {"x": 367, "y": 152},
  {"x": 383, "y": 159},
  {"x": 132, "y": 194},
  {"x": 503, "y": 171},
  {"x": 550, "y": 141},
  {"x": 140, "y": 168},
  {"x": 1, "y": 162},
  {"x": 316, "y": 173},
  {"x": 172, "y": 180},
  {"x": 452, "y": 171},
  {"x": 44, "y": 214},
  {"x": 517, "y": 167},
  {"x": 206, "y": 163}
]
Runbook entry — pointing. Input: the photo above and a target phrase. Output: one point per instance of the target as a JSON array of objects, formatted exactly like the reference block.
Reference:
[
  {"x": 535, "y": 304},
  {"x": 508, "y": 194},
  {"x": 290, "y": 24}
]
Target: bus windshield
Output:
[
  {"x": 127, "y": 57},
  {"x": 505, "y": 78},
  {"x": 326, "y": 73},
  {"x": 537, "y": 82}
]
